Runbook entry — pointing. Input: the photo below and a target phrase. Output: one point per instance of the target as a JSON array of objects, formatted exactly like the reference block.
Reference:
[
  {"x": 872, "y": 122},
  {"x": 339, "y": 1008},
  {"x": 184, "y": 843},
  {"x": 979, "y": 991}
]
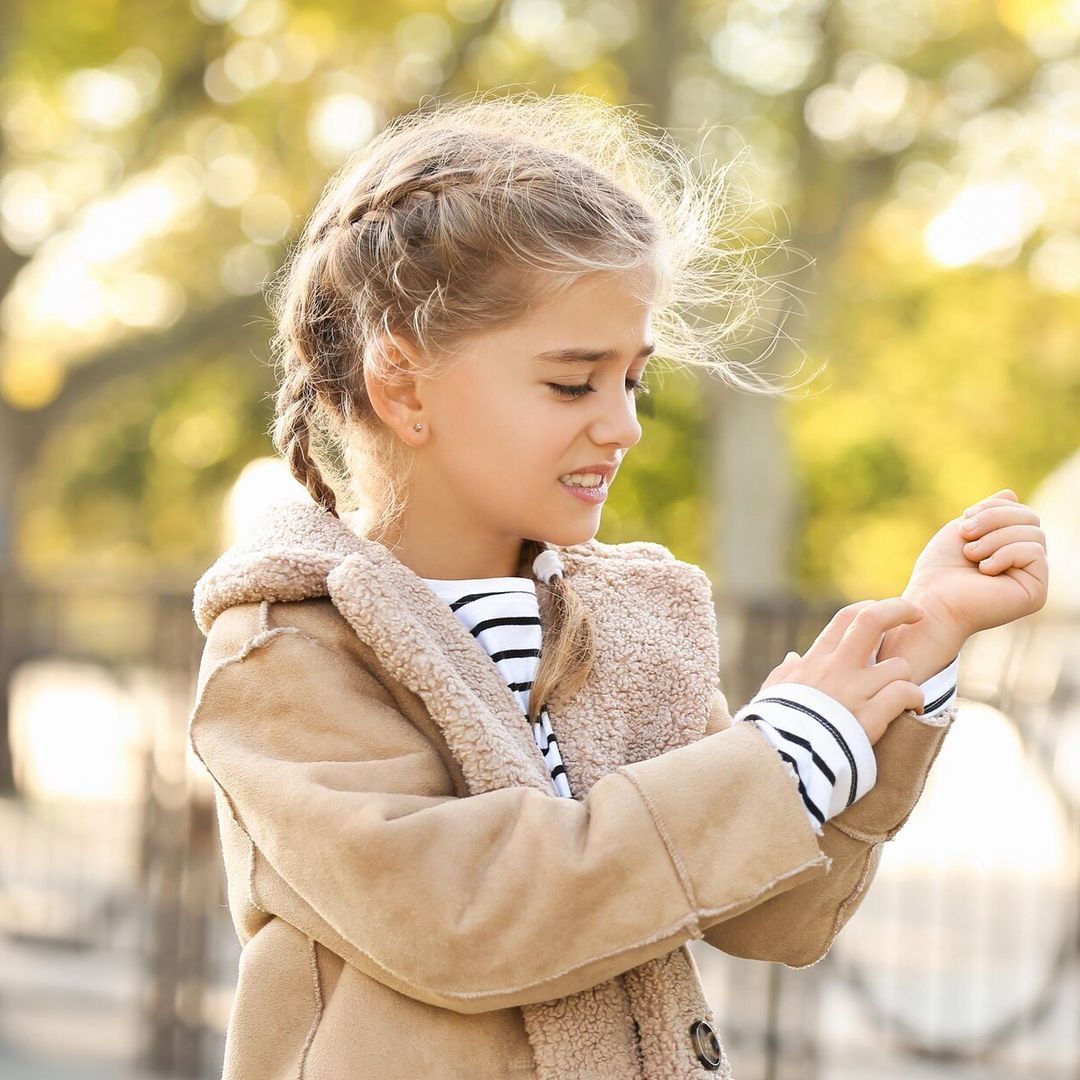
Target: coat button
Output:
[{"x": 706, "y": 1044}]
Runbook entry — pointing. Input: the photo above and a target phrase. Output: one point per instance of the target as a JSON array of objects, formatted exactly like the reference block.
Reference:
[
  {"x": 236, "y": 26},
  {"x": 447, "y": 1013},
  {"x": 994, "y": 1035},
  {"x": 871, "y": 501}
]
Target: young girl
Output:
[{"x": 476, "y": 780}]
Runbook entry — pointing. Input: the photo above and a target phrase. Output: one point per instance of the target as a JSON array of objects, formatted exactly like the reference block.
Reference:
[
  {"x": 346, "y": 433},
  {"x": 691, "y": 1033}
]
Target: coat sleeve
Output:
[
  {"x": 798, "y": 927},
  {"x": 491, "y": 900}
]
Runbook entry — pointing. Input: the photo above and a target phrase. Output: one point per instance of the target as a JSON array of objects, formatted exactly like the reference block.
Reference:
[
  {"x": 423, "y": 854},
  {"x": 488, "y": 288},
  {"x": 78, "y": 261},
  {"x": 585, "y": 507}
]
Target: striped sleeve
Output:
[{"x": 827, "y": 749}]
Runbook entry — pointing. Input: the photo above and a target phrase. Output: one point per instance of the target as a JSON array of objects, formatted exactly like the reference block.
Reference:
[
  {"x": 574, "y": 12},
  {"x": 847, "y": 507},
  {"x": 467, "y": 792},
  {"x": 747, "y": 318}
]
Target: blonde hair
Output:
[{"x": 454, "y": 221}]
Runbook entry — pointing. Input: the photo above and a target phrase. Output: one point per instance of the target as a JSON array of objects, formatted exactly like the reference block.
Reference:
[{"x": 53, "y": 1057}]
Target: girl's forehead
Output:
[{"x": 598, "y": 303}]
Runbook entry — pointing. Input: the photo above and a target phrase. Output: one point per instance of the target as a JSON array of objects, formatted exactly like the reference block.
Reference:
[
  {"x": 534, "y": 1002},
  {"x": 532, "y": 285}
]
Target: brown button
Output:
[{"x": 706, "y": 1044}]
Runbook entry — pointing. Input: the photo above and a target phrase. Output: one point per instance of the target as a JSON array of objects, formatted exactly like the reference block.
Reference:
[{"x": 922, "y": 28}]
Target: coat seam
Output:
[
  {"x": 669, "y": 844},
  {"x": 818, "y": 860},
  {"x": 252, "y": 854},
  {"x": 950, "y": 714},
  {"x": 838, "y": 921},
  {"x": 255, "y": 641},
  {"x": 471, "y": 995},
  {"x": 317, "y": 991},
  {"x": 265, "y": 637}
]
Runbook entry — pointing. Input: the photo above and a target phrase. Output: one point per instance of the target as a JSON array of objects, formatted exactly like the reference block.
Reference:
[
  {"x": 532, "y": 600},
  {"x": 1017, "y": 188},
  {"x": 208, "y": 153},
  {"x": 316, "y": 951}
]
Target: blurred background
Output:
[{"x": 923, "y": 158}]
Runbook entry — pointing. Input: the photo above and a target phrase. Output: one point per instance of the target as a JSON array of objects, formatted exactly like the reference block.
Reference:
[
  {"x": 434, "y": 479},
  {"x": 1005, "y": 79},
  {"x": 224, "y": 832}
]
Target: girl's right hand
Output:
[{"x": 839, "y": 664}]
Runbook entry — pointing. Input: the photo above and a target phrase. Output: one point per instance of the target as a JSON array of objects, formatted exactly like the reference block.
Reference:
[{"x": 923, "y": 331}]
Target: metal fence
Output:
[{"x": 118, "y": 956}]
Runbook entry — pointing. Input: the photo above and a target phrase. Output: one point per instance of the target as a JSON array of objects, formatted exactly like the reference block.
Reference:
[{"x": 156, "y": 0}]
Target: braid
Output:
[
  {"x": 427, "y": 185},
  {"x": 292, "y": 437},
  {"x": 568, "y": 643}
]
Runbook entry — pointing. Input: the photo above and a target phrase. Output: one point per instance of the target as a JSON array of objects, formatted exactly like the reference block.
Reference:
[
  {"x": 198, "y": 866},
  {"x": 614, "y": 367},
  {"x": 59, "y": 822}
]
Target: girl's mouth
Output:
[{"x": 595, "y": 494}]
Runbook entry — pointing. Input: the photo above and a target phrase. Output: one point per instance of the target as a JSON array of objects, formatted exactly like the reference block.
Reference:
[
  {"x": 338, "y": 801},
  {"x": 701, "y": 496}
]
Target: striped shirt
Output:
[{"x": 503, "y": 615}]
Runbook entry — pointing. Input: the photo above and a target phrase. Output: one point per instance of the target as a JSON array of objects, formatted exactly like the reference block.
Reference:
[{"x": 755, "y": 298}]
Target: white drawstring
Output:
[{"x": 547, "y": 565}]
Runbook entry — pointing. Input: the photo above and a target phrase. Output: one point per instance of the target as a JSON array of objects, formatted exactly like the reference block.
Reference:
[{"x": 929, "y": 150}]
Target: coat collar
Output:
[{"x": 654, "y": 616}]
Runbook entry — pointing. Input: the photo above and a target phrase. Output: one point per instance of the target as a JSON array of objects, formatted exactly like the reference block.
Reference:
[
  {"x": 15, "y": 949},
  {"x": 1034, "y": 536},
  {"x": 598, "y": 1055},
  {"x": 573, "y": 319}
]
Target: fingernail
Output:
[{"x": 969, "y": 523}]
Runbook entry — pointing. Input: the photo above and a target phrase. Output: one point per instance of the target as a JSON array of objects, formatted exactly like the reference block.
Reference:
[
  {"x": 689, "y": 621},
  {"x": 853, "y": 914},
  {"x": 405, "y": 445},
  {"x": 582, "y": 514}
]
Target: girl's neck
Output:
[{"x": 441, "y": 559}]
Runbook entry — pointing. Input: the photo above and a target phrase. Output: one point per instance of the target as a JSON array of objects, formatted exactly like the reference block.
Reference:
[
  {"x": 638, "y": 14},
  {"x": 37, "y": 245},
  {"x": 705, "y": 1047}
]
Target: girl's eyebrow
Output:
[{"x": 577, "y": 356}]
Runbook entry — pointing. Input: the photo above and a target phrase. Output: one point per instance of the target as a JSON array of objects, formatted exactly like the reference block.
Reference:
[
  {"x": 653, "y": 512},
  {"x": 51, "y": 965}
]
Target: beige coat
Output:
[{"x": 412, "y": 897}]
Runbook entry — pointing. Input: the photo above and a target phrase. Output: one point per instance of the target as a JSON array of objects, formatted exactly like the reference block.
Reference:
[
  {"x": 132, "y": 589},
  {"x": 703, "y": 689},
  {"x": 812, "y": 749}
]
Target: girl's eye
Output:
[{"x": 639, "y": 386}]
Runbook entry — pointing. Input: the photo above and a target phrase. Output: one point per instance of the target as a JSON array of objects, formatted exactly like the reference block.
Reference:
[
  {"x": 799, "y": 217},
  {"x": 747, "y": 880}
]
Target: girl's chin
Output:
[{"x": 566, "y": 535}]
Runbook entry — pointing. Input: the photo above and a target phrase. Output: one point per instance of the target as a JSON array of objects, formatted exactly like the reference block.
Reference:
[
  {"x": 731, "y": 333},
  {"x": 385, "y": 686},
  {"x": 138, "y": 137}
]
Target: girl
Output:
[{"x": 476, "y": 780}]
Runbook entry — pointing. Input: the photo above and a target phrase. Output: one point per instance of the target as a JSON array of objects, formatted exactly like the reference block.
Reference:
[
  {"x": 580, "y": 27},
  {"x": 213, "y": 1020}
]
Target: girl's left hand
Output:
[{"x": 985, "y": 570}]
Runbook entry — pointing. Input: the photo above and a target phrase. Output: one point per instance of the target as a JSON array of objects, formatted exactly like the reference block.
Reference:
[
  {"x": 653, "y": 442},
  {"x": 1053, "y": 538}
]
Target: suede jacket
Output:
[{"x": 412, "y": 897}]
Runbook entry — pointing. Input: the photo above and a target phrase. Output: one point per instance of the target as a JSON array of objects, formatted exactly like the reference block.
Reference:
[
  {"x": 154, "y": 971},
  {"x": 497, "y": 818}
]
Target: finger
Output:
[
  {"x": 834, "y": 629},
  {"x": 979, "y": 509},
  {"x": 898, "y": 696},
  {"x": 785, "y": 664},
  {"x": 887, "y": 671},
  {"x": 984, "y": 504},
  {"x": 1004, "y": 493},
  {"x": 986, "y": 545},
  {"x": 862, "y": 637},
  {"x": 995, "y": 517},
  {"x": 781, "y": 672},
  {"x": 1020, "y": 555}
]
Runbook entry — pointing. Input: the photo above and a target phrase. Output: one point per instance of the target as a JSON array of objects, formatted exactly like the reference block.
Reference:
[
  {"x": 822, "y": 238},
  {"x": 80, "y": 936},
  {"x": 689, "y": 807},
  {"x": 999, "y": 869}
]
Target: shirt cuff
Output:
[
  {"x": 821, "y": 739},
  {"x": 939, "y": 691}
]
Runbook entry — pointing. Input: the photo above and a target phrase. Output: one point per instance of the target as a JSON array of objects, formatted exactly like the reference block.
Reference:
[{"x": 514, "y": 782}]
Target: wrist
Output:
[{"x": 929, "y": 644}]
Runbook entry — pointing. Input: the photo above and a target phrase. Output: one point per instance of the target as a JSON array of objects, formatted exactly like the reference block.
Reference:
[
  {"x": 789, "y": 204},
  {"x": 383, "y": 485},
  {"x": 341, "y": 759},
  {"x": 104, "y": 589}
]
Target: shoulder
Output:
[
  {"x": 314, "y": 623},
  {"x": 231, "y": 633}
]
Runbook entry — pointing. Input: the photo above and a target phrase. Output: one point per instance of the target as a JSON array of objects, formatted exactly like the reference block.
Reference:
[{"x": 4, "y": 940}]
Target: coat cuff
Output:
[{"x": 905, "y": 753}]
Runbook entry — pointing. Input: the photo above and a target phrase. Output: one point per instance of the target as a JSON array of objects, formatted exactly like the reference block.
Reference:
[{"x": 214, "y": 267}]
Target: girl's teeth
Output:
[{"x": 583, "y": 479}]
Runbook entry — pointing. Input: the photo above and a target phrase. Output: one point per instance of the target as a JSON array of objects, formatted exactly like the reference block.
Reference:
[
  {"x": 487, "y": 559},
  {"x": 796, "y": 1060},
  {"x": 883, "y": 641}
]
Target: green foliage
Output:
[
  {"x": 133, "y": 483},
  {"x": 942, "y": 384},
  {"x": 945, "y": 386}
]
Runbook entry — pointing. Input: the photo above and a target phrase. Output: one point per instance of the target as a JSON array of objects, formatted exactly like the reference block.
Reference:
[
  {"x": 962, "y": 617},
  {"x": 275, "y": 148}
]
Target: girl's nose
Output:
[{"x": 617, "y": 423}]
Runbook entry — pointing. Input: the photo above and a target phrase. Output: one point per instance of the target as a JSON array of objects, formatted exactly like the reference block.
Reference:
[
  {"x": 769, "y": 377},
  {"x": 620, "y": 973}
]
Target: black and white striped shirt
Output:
[
  {"x": 503, "y": 614},
  {"x": 827, "y": 749}
]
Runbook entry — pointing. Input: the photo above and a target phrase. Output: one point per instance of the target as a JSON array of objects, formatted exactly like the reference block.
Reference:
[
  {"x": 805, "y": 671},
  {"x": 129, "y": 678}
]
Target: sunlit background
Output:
[{"x": 921, "y": 161}]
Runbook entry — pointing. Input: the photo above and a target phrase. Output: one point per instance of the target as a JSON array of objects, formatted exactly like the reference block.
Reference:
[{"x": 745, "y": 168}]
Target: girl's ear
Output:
[{"x": 395, "y": 398}]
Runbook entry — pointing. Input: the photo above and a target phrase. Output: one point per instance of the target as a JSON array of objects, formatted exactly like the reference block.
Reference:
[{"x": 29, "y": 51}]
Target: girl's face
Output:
[{"x": 506, "y": 421}]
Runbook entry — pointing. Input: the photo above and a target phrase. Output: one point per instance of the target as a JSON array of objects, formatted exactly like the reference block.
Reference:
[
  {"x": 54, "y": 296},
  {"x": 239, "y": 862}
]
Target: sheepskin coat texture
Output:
[{"x": 413, "y": 899}]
